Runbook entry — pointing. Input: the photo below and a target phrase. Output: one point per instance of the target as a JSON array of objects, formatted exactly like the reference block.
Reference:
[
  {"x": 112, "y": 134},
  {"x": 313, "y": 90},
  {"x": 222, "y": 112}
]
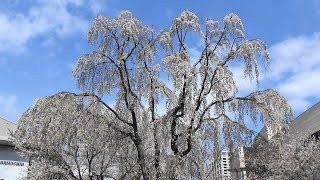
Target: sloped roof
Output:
[
  {"x": 308, "y": 122},
  {"x": 305, "y": 124},
  {"x": 6, "y": 128}
]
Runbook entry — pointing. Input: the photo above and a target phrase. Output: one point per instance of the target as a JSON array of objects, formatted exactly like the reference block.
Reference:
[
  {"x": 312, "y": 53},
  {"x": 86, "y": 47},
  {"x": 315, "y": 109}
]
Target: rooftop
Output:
[
  {"x": 308, "y": 122},
  {"x": 6, "y": 128}
]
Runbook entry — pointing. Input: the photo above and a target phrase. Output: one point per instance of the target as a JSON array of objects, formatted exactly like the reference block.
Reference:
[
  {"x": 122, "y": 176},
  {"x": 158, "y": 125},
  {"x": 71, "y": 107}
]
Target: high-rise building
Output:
[
  {"x": 221, "y": 166},
  {"x": 238, "y": 165}
]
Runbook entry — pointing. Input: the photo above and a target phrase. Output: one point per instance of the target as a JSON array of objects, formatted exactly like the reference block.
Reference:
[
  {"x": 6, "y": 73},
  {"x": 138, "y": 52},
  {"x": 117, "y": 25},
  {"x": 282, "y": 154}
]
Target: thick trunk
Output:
[
  {"x": 155, "y": 140},
  {"x": 141, "y": 158},
  {"x": 156, "y": 153}
]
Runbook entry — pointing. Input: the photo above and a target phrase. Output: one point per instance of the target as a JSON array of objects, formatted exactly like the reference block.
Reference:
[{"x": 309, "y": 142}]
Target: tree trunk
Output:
[
  {"x": 156, "y": 153},
  {"x": 141, "y": 158}
]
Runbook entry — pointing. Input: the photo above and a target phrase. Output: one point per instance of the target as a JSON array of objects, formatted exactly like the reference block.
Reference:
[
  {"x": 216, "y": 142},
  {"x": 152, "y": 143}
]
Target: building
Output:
[
  {"x": 237, "y": 164},
  {"x": 239, "y": 158},
  {"x": 221, "y": 167},
  {"x": 306, "y": 124},
  {"x": 12, "y": 164}
]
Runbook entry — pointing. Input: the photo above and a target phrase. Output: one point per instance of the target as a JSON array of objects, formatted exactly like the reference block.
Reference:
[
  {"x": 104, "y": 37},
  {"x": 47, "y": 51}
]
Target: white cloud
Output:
[
  {"x": 302, "y": 84},
  {"x": 295, "y": 55},
  {"x": 295, "y": 69},
  {"x": 16, "y": 29},
  {"x": 97, "y": 6}
]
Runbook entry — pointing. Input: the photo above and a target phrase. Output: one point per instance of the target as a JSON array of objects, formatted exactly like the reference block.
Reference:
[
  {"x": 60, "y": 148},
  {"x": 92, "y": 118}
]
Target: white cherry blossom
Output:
[{"x": 135, "y": 62}]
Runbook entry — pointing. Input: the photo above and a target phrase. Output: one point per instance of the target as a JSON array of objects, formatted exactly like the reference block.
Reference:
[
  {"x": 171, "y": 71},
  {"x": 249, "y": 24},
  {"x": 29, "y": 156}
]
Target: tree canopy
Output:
[
  {"x": 172, "y": 114},
  {"x": 286, "y": 156}
]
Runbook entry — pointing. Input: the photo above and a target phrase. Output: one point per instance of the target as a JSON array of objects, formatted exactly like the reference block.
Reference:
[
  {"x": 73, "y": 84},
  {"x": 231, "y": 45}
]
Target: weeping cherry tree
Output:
[{"x": 171, "y": 114}]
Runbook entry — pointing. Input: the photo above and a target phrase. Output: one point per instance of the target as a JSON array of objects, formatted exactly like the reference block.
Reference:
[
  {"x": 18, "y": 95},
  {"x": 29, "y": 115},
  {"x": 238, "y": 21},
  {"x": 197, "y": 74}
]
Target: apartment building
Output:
[{"x": 221, "y": 166}]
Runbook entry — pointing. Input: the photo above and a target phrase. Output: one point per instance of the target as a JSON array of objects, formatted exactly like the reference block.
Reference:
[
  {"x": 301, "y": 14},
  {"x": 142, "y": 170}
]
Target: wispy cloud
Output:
[
  {"x": 97, "y": 6},
  {"x": 295, "y": 69},
  {"x": 17, "y": 29}
]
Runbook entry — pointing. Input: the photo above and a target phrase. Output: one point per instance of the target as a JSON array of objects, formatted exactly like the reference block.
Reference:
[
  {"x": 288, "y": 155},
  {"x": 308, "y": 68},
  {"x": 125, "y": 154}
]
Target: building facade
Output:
[
  {"x": 12, "y": 164},
  {"x": 221, "y": 167},
  {"x": 237, "y": 164}
]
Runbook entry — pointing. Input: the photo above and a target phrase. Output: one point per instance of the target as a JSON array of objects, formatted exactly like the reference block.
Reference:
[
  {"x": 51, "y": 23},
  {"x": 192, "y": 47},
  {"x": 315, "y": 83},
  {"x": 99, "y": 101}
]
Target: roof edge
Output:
[
  {"x": 8, "y": 120},
  {"x": 306, "y": 111},
  {"x": 6, "y": 143}
]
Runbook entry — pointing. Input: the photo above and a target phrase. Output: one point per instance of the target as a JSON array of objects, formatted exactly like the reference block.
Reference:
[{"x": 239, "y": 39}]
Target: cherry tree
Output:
[
  {"x": 171, "y": 114},
  {"x": 286, "y": 157},
  {"x": 69, "y": 139},
  {"x": 298, "y": 159}
]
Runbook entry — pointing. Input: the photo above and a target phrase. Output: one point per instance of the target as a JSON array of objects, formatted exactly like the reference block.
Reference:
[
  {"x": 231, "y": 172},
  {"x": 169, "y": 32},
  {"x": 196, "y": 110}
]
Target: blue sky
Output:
[{"x": 40, "y": 41}]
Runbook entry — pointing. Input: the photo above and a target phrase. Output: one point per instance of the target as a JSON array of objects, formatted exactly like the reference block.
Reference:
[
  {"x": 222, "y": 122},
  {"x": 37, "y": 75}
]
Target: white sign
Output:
[
  {"x": 11, "y": 163},
  {"x": 12, "y": 170}
]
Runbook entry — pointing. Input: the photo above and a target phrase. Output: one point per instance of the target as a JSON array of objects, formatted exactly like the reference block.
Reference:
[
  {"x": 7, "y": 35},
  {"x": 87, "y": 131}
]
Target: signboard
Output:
[
  {"x": 12, "y": 170},
  {"x": 11, "y": 163}
]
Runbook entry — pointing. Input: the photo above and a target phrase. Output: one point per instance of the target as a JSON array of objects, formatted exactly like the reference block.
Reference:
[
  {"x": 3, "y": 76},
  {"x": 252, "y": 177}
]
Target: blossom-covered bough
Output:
[
  {"x": 172, "y": 113},
  {"x": 289, "y": 156}
]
